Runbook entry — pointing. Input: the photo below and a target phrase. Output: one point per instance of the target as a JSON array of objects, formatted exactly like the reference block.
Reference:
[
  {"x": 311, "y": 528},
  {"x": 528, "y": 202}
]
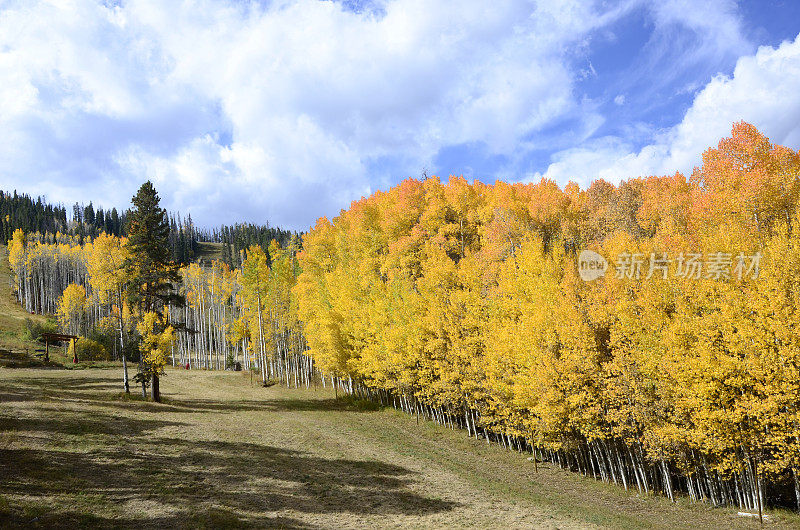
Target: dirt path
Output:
[{"x": 222, "y": 453}]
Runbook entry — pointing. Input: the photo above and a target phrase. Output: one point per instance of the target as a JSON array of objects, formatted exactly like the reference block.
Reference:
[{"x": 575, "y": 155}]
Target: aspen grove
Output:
[
  {"x": 463, "y": 302},
  {"x": 678, "y": 369},
  {"x": 240, "y": 316}
]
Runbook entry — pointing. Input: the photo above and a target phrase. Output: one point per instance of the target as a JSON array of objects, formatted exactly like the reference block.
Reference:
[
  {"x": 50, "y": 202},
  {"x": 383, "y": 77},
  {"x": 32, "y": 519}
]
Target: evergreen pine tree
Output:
[{"x": 151, "y": 272}]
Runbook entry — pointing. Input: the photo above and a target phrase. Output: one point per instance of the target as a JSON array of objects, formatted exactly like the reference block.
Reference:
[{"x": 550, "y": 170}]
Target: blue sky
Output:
[{"x": 285, "y": 111}]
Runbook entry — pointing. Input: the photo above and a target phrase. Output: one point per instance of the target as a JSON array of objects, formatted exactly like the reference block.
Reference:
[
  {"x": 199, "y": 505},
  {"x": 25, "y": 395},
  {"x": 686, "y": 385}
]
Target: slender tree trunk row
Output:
[
  {"x": 610, "y": 460},
  {"x": 278, "y": 352},
  {"x": 43, "y": 271}
]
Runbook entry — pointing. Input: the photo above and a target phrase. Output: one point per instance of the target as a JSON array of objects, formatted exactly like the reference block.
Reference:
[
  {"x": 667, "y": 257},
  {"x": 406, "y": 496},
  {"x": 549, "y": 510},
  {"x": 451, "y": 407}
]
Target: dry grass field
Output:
[{"x": 76, "y": 452}]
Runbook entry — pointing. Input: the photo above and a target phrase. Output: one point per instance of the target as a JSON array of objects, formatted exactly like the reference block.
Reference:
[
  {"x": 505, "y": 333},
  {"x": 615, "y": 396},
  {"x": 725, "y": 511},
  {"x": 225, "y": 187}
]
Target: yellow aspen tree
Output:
[
  {"x": 72, "y": 309},
  {"x": 107, "y": 278},
  {"x": 157, "y": 341}
]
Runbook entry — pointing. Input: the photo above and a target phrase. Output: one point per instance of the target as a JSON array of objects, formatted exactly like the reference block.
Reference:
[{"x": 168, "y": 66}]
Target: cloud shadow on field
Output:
[
  {"x": 265, "y": 405},
  {"x": 99, "y": 391},
  {"x": 81, "y": 470}
]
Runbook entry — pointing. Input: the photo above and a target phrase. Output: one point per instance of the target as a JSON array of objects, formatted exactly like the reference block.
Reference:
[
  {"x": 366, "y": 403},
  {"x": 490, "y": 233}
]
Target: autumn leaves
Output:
[{"x": 468, "y": 297}]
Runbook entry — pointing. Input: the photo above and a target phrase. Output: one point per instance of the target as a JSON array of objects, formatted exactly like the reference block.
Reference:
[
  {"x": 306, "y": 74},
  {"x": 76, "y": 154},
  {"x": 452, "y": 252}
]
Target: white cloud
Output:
[
  {"x": 273, "y": 109},
  {"x": 280, "y": 111},
  {"x": 581, "y": 164},
  {"x": 763, "y": 90},
  {"x": 718, "y": 23}
]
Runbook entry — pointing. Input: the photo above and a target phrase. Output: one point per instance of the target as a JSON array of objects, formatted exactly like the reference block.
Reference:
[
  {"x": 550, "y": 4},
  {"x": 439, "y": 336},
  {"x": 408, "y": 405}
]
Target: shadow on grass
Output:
[
  {"x": 82, "y": 383},
  {"x": 14, "y": 394},
  {"x": 21, "y": 359},
  {"x": 99, "y": 381},
  {"x": 244, "y": 480},
  {"x": 271, "y": 405},
  {"x": 97, "y": 390},
  {"x": 72, "y": 424},
  {"x": 195, "y": 483},
  {"x": 202, "y": 518},
  {"x": 83, "y": 389}
]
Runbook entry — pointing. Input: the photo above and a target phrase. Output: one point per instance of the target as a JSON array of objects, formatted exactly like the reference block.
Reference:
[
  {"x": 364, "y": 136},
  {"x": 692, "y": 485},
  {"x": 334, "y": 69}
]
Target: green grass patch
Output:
[
  {"x": 351, "y": 402},
  {"x": 76, "y": 451}
]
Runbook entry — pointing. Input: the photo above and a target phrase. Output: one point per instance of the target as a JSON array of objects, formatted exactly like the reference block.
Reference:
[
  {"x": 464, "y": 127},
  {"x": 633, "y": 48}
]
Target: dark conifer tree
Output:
[
  {"x": 180, "y": 248},
  {"x": 152, "y": 273},
  {"x": 88, "y": 214},
  {"x": 99, "y": 220}
]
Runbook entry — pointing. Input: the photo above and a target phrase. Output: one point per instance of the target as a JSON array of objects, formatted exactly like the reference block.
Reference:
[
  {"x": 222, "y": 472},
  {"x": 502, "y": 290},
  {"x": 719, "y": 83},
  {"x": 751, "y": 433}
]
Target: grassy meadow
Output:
[{"x": 221, "y": 452}]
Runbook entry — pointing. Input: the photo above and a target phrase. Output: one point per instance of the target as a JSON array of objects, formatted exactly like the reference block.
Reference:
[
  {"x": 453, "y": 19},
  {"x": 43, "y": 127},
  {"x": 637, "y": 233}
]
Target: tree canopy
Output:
[{"x": 153, "y": 279}]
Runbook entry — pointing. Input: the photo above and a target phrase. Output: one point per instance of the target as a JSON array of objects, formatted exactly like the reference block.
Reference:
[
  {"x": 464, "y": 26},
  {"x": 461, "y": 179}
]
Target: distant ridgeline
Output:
[
  {"x": 21, "y": 211},
  {"x": 237, "y": 238}
]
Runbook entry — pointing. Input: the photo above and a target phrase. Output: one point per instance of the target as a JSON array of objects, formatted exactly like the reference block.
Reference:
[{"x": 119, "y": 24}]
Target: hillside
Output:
[
  {"x": 219, "y": 452},
  {"x": 208, "y": 251},
  {"x": 15, "y": 348}
]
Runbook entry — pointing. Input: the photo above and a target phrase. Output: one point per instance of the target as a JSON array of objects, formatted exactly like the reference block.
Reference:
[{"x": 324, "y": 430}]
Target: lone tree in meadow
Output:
[{"x": 152, "y": 283}]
